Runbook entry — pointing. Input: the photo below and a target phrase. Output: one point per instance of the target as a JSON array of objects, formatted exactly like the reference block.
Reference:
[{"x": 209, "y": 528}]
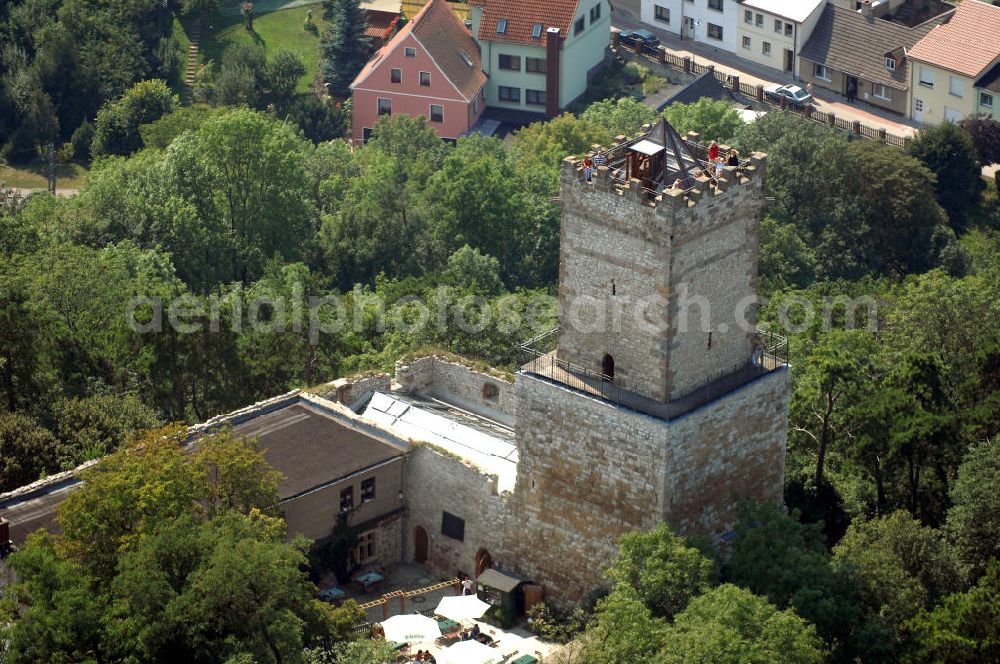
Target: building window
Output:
[
  {"x": 926, "y": 77},
  {"x": 890, "y": 64},
  {"x": 788, "y": 29},
  {"x": 714, "y": 31},
  {"x": 595, "y": 13},
  {"x": 661, "y": 14},
  {"x": 777, "y": 26},
  {"x": 765, "y": 48},
  {"x": 760, "y": 20},
  {"x": 384, "y": 106},
  {"x": 746, "y": 42},
  {"x": 578, "y": 26},
  {"x": 410, "y": 52},
  {"x": 365, "y": 550},
  {"x": 918, "y": 105},
  {"x": 747, "y": 16},
  {"x": 475, "y": 105},
  {"x": 425, "y": 78},
  {"x": 452, "y": 526},
  {"x": 437, "y": 113},
  {"x": 511, "y": 62},
  {"x": 534, "y": 65},
  {"x": 535, "y": 97},
  {"x": 821, "y": 72},
  {"x": 715, "y": 4},
  {"x": 347, "y": 499},
  {"x": 368, "y": 485},
  {"x": 396, "y": 75},
  {"x": 366, "y": 133},
  {"x": 509, "y": 94},
  {"x": 986, "y": 100},
  {"x": 501, "y": 26},
  {"x": 955, "y": 87},
  {"x": 536, "y": 31},
  {"x": 881, "y": 92}
]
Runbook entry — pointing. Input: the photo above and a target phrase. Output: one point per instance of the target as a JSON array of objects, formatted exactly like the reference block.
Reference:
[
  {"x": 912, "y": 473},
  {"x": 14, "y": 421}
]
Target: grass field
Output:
[
  {"x": 34, "y": 176},
  {"x": 274, "y": 30}
]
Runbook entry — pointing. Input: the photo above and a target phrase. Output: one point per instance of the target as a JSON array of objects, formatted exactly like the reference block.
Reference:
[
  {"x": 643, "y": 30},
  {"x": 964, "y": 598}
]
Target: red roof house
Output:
[{"x": 431, "y": 67}]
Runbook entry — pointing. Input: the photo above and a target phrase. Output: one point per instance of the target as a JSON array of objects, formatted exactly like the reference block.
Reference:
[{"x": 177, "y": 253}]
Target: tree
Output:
[
  {"x": 343, "y": 47},
  {"x": 116, "y": 129},
  {"x": 974, "y": 518},
  {"x": 714, "y": 119},
  {"x": 985, "y": 133},
  {"x": 663, "y": 571},
  {"x": 283, "y": 72},
  {"x": 730, "y": 625},
  {"x": 91, "y": 427},
  {"x": 320, "y": 119},
  {"x": 785, "y": 258},
  {"x": 201, "y": 7},
  {"x": 623, "y": 630},
  {"x": 622, "y": 116},
  {"x": 467, "y": 268},
  {"x": 365, "y": 651},
  {"x": 947, "y": 150},
  {"x": 27, "y": 451},
  {"x": 901, "y": 566}
]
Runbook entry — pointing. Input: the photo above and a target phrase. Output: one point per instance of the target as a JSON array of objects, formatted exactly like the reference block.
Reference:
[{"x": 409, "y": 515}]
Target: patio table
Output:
[
  {"x": 368, "y": 579},
  {"x": 526, "y": 659},
  {"x": 448, "y": 626}
]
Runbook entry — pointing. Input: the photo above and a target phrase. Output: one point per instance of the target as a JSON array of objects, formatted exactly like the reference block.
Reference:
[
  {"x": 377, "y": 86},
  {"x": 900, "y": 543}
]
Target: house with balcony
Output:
[
  {"x": 711, "y": 22},
  {"x": 431, "y": 67},
  {"x": 865, "y": 54},
  {"x": 539, "y": 54},
  {"x": 956, "y": 66},
  {"x": 771, "y": 32}
]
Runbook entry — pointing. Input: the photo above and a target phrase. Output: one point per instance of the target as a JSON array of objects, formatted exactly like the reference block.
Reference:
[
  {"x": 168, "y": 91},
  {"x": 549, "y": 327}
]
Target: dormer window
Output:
[
  {"x": 501, "y": 26},
  {"x": 890, "y": 64},
  {"x": 467, "y": 59},
  {"x": 536, "y": 31}
]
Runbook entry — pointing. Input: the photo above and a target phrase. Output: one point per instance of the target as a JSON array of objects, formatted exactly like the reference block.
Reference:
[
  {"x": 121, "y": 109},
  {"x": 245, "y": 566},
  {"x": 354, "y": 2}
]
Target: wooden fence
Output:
[{"x": 756, "y": 92}]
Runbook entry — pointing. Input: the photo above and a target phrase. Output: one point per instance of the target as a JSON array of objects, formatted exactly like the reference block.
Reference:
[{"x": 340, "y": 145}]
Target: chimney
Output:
[
  {"x": 866, "y": 9},
  {"x": 553, "y": 43}
]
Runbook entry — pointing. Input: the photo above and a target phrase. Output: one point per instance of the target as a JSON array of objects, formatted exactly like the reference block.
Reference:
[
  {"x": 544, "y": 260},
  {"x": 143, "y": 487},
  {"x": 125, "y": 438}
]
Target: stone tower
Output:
[{"x": 657, "y": 399}]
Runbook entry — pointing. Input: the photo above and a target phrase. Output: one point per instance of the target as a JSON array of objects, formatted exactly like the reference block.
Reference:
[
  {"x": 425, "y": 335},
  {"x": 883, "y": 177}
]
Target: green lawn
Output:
[
  {"x": 274, "y": 30},
  {"x": 34, "y": 176}
]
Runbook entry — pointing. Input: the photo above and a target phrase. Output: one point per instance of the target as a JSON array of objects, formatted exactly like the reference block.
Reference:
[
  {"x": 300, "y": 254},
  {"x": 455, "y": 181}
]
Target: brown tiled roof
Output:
[
  {"x": 446, "y": 38},
  {"x": 378, "y": 24},
  {"x": 854, "y": 44},
  {"x": 966, "y": 44},
  {"x": 521, "y": 17},
  {"x": 990, "y": 80}
]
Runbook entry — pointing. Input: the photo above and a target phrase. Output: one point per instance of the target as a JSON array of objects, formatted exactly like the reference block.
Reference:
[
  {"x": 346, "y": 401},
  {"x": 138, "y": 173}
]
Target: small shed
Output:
[{"x": 504, "y": 591}]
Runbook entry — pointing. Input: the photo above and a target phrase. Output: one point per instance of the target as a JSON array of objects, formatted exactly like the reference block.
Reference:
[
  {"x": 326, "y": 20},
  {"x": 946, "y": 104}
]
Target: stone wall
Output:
[
  {"x": 480, "y": 392},
  {"x": 349, "y": 391},
  {"x": 435, "y": 483}
]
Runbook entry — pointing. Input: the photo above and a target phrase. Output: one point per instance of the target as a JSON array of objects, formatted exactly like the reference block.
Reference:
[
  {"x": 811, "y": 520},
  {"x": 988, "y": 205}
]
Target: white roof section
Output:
[
  {"x": 647, "y": 147},
  {"x": 793, "y": 10},
  {"x": 483, "y": 443},
  {"x": 390, "y": 6},
  {"x": 749, "y": 115}
]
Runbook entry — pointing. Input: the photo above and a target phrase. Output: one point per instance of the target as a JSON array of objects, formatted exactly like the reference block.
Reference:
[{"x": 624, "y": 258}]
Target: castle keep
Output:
[{"x": 656, "y": 399}]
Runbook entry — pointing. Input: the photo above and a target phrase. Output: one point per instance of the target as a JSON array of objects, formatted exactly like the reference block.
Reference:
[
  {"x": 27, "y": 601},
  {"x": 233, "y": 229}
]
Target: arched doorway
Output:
[
  {"x": 484, "y": 561},
  {"x": 420, "y": 544},
  {"x": 608, "y": 366}
]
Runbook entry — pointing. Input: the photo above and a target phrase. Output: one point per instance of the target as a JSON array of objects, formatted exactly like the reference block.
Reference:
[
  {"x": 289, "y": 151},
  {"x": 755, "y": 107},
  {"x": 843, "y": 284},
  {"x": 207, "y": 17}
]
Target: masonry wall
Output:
[
  {"x": 436, "y": 483},
  {"x": 456, "y": 383}
]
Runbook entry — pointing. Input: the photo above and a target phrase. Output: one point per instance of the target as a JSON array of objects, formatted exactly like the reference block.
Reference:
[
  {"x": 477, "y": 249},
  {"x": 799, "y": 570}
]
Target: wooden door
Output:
[{"x": 420, "y": 545}]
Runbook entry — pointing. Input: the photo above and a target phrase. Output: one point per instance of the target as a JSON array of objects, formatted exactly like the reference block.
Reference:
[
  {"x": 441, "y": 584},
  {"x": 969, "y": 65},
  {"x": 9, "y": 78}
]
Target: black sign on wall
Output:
[{"x": 452, "y": 526}]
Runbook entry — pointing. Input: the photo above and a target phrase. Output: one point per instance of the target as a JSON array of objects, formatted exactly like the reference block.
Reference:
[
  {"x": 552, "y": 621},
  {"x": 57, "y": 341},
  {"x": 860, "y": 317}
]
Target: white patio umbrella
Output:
[
  {"x": 461, "y": 607},
  {"x": 410, "y": 628},
  {"x": 470, "y": 652}
]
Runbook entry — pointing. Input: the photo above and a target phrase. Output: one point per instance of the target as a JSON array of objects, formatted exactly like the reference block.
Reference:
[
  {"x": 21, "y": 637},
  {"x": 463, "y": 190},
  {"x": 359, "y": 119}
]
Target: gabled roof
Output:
[
  {"x": 990, "y": 80},
  {"x": 967, "y": 44},
  {"x": 849, "y": 42},
  {"x": 706, "y": 85},
  {"x": 446, "y": 40},
  {"x": 522, "y": 16}
]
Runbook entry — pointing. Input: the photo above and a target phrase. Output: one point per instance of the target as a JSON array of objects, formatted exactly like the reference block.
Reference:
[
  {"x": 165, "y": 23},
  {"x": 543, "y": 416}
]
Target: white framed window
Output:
[
  {"x": 765, "y": 48},
  {"x": 595, "y": 13},
  {"x": 511, "y": 62},
  {"x": 746, "y": 42},
  {"x": 579, "y": 26},
  {"x": 715, "y": 4},
  {"x": 777, "y": 25},
  {"x": 881, "y": 92},
  {"x": 506, "y": 93},
  {"x": 425, "y": 78},
  {"x": 536, "y": 31},
  {"x": 747, "y": 16},
  {"x": 367, "y": 490},
  {"x": 926, "y": 77},
  {"x": 501, "y": 26},
  {"x": 821, "y": 72},
  {"x": 535, "y": 65},
  {"x": 985, "y": 100},
  {"x": 760, "y": 20},
  {"x": 396, "y": 75},
  {"x": 714, "y": 31},
  {"x": 437, "y": 113},
  {"x": 410, "y": 52},
  {"x": 661, "y": 14},
  {"x": 534, "y": 97},
  {"x": 788, "y": 29},
  {"x": 475, "y": 105},
  {"x": 955, "y": 86},
  {"x": 384, "y": 106},
  {"x": 890, "y": 64}
]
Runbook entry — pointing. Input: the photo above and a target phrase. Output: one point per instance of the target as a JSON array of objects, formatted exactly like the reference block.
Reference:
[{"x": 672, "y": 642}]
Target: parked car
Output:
[
  {"x": 792, "y": 94},
  {"x": 639, "y": 40}
]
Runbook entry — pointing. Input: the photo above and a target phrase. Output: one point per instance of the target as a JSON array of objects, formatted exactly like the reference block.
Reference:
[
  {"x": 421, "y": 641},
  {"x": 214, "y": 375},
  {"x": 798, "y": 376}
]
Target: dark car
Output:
[{"x": 639, "y": 40}]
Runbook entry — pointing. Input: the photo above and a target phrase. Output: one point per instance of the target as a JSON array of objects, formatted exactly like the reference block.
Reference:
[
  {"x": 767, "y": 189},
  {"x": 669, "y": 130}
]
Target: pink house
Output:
[{"x": 431, "y": 67}]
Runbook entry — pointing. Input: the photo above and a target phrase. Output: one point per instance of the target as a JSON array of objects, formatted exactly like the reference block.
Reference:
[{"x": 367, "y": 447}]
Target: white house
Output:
[
  {"x": 711, "y": 22},
  {"x": 771, "y": 32}
]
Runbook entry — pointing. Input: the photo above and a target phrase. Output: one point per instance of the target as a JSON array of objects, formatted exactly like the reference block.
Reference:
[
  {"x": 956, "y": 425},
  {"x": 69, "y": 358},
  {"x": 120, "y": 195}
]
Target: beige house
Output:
[
  {"x": 954, "y": 71},
  {"x": 771, "y": 32}
]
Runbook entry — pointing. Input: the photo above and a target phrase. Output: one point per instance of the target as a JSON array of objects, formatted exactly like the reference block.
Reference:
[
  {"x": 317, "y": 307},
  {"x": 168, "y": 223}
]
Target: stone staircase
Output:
[{"x": 192, "y": 56}]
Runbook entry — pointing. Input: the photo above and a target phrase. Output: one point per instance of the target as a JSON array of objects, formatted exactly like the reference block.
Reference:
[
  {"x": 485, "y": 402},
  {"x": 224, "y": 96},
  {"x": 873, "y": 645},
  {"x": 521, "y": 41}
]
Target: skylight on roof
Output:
[
  {"x": 536, "y": 31},
  {"x": 501, "y": 26},
  {"x": 468, "y": 60}
]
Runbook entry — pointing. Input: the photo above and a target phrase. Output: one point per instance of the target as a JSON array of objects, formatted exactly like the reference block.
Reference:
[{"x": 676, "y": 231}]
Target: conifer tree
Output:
[{"x": 344, "y": 49}]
